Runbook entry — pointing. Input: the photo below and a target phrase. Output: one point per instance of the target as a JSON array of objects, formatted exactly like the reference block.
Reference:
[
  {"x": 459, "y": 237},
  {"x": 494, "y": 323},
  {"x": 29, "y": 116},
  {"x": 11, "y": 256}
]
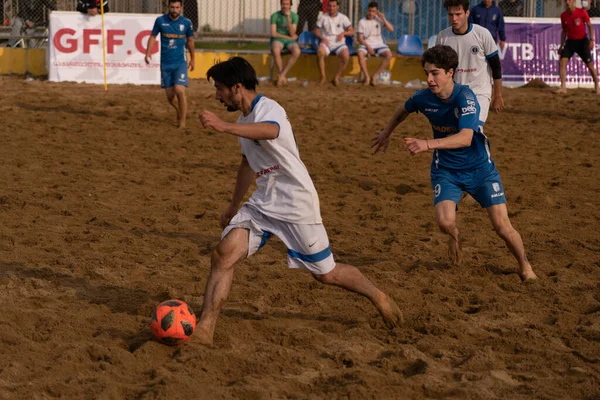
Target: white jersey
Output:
[
  {"x": 284, "y": 190},
  {"x": 371, "y": 29},
  {"x": 331, "y": 27},
  {"x": 474, "y": 48}
]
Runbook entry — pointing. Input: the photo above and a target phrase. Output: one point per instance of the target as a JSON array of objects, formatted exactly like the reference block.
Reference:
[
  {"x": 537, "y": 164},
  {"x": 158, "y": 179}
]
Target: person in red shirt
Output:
[{"x": 573, "y": 22}]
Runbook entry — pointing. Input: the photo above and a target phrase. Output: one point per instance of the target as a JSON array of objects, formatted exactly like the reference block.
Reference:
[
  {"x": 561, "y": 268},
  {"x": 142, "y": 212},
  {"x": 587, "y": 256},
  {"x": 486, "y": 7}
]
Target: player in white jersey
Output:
[
  {"x": 332, "y": 29},
  {"x": 284, "y": 204},
  {"x": 372, "y": 44},
  {"x": 478, "y": 59}
]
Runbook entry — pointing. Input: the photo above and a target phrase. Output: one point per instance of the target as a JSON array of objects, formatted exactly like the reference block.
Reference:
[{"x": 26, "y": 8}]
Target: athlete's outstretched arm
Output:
[
  {"x": 255, "y": 131},
  {"x": 458, "y": 141},
  {"x": 382, "y": 141},
  {"x": 245, "y": 177}
]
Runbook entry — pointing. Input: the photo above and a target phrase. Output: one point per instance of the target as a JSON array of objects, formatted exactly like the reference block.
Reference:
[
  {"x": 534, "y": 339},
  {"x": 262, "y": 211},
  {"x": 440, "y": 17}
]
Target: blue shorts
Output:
[
  {"x": 173, "y": 75},
  {"x": 378, "y": 50},
  {"x": 483, "y": 184}
]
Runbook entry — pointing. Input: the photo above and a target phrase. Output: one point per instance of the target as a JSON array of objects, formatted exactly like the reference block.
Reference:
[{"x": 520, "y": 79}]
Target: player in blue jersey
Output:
[
  {"x": 461, "y": 153},
  {"x": 176, "y": 33}
]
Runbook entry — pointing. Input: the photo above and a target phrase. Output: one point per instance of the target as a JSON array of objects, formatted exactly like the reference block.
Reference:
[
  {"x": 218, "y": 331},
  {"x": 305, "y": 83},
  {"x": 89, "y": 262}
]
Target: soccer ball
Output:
[{"x": 173, "y": 322}]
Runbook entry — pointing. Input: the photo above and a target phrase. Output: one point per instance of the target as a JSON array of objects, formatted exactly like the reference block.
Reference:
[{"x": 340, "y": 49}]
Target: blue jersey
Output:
[
  {"x": 449, "y": 117},
  {"x": 173, "y": 37}
]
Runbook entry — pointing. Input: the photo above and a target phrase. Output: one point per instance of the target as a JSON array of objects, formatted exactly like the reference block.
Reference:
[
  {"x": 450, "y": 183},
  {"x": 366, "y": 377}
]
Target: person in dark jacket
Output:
[
  {"x": 32, "y": 14},
  {"x": 91, "y": 7},
  {"x": 488, "y": 15},
  {"x": 308, "y": 12}
]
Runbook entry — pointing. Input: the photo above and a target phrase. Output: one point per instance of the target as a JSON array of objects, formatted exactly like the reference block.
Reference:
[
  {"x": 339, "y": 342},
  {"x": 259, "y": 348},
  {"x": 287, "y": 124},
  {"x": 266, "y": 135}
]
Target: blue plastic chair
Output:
[
  {"x": 308, "y": 42},
  {"x": 431, "y": 41},
  {"x": 350, "y": 44},
  {"x": 410, "y": 45}
]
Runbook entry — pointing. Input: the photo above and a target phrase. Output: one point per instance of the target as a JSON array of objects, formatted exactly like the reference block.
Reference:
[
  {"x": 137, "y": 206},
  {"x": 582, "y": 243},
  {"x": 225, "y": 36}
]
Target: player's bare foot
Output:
[
  {"x": 597, "y": 91},
  {"x": 367, "y": 81},
  {"x": 455, "y": 250},
  {"x": 336, "y": 81},
  {"x": 527, "y": 274},
  {"x": 561, "y": 91},
  {"x": 282, "y": 81},
  {"x": 322, "y": 81},
  {"x": 389, "y": 310},
  {"x": 203, "y": 337},
  {"x": 182, "y": 125},
  {"x": 374, "y": 82}
]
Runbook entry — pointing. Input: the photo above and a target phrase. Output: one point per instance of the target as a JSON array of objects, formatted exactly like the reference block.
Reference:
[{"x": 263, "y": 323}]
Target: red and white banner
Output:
[{"x": 75, "y": 48}]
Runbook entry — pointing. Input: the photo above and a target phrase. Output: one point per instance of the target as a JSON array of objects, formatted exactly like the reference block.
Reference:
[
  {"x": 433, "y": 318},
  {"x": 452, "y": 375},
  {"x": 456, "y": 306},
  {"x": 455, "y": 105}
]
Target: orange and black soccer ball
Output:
[{"x": 173, "y": 322}]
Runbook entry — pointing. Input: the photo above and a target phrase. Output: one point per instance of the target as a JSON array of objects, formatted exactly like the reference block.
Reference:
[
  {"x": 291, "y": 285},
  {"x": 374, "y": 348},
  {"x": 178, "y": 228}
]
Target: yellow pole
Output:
[{"x": 103, "y": 43}]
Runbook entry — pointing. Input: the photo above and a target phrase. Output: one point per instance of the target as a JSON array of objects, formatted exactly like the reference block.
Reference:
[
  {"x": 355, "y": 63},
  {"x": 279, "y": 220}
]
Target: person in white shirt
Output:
[
  {"x": 332, "y": 29},
  {"x": 284, "y": 204},
  {"x": 371, "y": 42},
  {"x": 478, "y": 59}
]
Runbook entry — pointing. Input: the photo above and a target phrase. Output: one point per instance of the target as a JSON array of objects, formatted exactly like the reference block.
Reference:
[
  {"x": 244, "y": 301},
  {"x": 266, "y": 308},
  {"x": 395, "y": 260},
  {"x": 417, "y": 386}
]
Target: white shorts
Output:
[
  {"x": 336, "y": 49},
  {"x": 484, "y": 108},
  {"x": 308, "y": 245},
  {"x": 378, "y": 50}
]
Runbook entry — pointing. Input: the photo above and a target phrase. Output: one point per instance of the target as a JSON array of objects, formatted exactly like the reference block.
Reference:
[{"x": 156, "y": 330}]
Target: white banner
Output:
[{"x": 75, "y": 48}]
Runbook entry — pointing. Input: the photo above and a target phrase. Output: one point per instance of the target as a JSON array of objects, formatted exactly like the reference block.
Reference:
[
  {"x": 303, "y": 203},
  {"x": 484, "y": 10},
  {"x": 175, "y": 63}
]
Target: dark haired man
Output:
[
  {"x": 283, "y": 36},
  {"x": 332, "y": 29},
  {"x": 461, "y": 154},
  {"x": 574, "y": 21},
  {"x": 371, "y": 42},
  {"x": 176, "y": 33},
  {"x": 478, "y": 59},
  {"x": 489, "y": 15},
  {"x": 285, "y": 202}
]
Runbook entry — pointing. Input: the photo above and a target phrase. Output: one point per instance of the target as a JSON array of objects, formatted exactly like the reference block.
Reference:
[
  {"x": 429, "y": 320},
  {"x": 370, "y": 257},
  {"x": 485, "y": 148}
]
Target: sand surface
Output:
[{"x": 106, "y": 209}]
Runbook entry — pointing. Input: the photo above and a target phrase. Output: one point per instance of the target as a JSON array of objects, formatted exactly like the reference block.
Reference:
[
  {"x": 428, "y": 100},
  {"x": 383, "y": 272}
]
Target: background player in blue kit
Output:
[
  {"x": 461, "y": 153},
  {"x": 176, "y": 33}
]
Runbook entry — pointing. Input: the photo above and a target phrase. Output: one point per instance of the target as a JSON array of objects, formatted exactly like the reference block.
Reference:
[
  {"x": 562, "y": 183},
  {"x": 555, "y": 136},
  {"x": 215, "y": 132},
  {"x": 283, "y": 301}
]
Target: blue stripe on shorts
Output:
[{"x": 312, "y": 258}]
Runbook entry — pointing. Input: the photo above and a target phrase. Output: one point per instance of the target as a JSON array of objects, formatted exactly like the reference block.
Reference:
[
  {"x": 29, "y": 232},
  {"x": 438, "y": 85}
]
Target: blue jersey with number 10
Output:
[
  {"x": 173, "y": 37},
  {"x": 447, "y": 118}
]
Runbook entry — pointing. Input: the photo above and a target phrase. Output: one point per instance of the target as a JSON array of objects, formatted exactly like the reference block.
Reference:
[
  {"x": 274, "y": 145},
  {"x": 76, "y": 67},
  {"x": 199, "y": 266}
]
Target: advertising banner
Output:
[
  {"x": 75, "y": 48},
  {"x": 531, "y": 52}
]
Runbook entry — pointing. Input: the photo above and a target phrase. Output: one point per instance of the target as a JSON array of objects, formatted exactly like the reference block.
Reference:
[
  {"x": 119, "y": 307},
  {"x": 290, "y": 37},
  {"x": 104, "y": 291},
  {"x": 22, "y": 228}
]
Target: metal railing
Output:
[
  {"x": 250, "y": 19},
  {"x": 25, "y": 22},
  {"x": 122, "y": 6}
]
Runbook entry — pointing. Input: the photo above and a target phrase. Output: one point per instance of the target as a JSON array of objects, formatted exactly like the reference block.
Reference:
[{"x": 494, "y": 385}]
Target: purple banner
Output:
[{"x": 531, "y": 52}]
